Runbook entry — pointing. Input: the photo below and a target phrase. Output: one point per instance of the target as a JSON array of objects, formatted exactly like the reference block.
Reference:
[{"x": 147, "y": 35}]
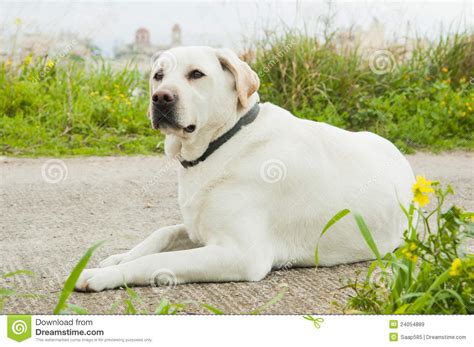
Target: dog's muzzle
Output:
[{"x": 163, "y": 110}]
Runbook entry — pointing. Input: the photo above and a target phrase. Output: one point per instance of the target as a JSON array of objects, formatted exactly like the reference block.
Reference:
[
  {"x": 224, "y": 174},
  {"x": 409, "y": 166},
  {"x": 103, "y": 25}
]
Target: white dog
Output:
[{"x": 257, "y": 185}]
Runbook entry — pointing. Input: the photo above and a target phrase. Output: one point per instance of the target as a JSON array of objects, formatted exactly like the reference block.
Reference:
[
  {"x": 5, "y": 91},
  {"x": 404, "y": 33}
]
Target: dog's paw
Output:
[
  {"x": 96, "y": 280},
  {"x": 113, "y": 260}
]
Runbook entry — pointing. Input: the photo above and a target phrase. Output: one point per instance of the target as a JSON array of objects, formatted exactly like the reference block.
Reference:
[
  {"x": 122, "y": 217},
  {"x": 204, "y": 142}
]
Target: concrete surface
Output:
[{"x": 52, "y": 211}]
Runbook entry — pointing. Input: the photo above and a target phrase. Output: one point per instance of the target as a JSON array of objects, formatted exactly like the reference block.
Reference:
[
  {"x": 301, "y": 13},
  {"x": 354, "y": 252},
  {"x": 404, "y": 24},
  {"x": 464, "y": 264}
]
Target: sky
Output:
[{"x": 228, "y": 23}]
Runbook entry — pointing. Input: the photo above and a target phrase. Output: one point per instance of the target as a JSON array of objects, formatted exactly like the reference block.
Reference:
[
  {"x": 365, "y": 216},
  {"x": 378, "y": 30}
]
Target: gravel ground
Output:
[{"x": 49, "y": 218}]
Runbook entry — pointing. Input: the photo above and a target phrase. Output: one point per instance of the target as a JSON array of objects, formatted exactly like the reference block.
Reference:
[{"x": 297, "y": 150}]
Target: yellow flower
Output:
[
  {"x": 454, "y": 271},
  {"x": 106, "y": 97},
  {"x": 422, "y": 185},
  {"x": 410, "y": 255},
  {"x": 50, "y": 64},
  {"x": 421, "y": 188},
  {"x": 413, "y": 246},
  {"x": 469, "y": 109},
  {"x": 18, "y": 21},
  {"x": 444, "y": 69},
  {"x": 28, "y": 60},
  {"x": 421, "y": 199}
]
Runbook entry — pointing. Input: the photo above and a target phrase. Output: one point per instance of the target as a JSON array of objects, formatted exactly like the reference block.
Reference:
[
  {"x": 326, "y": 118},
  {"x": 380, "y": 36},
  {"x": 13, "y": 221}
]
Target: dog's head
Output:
[{"x": 194, "y": 91}]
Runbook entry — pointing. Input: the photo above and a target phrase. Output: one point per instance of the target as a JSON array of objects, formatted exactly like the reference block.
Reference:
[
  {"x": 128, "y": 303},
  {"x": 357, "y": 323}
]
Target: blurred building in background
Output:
[
  {"x": 361, "y": 40},
  {"x": 141, "y": 50},
  {"x": 366, "y": 42},
  {"x": 42, "y": 45}
]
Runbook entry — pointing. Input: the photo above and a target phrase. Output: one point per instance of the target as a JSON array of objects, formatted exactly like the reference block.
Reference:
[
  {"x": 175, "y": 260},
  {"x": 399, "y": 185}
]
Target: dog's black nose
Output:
[
  {"x": 163, "y": 98},
  {"x": 164, "y": 108}
]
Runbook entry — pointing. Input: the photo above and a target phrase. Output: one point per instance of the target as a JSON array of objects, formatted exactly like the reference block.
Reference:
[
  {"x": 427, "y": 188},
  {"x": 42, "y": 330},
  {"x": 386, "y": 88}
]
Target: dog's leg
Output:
[
  {"x": 170, "y": 238},
  {"x": 211, "y": 263}
]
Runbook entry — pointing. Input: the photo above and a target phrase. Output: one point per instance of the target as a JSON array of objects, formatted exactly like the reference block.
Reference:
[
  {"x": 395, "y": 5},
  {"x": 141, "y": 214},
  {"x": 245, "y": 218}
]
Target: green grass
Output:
[
  {"x": 131, "y": 304},
  {"x": 431, "y": 273},
  {"x": 73, "y": 109},
  {"x": 329, "y": 224},
  {"x": 425, "y": 101},
  {"x": 71, "y": 281},
  {"x": 67, "y": 108},
  {"x": 7, "y": 292}
]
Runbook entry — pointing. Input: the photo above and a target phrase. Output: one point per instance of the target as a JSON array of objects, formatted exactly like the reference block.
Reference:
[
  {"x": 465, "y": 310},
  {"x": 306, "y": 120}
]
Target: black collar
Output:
[{"x": 248, "y": 118}]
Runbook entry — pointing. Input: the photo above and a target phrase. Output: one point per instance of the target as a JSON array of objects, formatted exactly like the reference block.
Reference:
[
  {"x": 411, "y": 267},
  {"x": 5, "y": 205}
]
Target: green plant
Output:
[
  {"x": 132, "y": 303},
  {"x": 338, "y": 216},
  {"x": 431, "y": 273},
  {"x": 425, "y": 101},
  {"x": 62, "y": 306},
  {"x": 7, "y": 292},
  {"x": 66, "y": 107}
]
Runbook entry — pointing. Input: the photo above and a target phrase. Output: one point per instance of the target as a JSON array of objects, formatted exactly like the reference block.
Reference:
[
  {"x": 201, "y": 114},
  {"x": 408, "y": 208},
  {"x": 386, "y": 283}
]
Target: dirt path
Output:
[{"x": 47, "y": 226}]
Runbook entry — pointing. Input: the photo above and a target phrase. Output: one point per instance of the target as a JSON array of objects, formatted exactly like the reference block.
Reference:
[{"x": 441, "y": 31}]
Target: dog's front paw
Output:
[
  {"x": 113, "y": 260},
  {"x": 96, "y": 280}
]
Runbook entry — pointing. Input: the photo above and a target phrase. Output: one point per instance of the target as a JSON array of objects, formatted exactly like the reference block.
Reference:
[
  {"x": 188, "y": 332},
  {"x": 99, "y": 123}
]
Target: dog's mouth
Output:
[
  {"x": 164, "y": 123},
  {"x": 159, "y": 120},
  {"x": 167, "y": 122},
  {"x": 169, "y": 125}
]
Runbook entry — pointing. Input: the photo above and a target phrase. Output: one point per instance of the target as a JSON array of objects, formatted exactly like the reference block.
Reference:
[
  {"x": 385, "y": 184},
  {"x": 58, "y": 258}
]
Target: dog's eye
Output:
[
  {"x": 158, "y": 76},
  {"x": 195, "y": 74}
]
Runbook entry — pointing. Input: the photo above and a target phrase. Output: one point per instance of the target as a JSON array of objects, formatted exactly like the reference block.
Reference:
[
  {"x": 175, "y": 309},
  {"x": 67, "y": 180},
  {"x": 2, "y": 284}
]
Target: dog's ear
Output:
[{"x": 246, "y": 80}]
